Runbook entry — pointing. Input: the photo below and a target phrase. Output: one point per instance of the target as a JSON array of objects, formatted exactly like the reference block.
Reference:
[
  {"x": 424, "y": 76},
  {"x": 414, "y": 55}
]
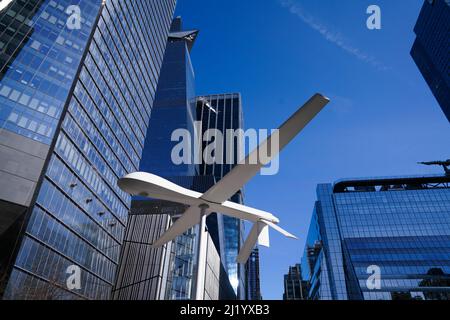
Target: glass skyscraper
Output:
[
  {"x": 381, "y": 238},
  {"x": 431, "y": 49},
  {"x": 175, "y": 109},
  {"x": 223, "y": 112},
  {"x": 174, "y": 105},
  {"x": 75, "y": 104}
]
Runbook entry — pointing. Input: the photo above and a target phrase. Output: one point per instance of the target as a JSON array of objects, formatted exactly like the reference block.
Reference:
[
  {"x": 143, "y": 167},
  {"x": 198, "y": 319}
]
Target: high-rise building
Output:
[
  {"x": 143, "y": 269},
  {"x": 175, "y": 107},
  {"x": 253, "y": 280},
  {"x": 294, "y": 286},
  {"x": 77, "y": 84},
  {"x": 431, "y": 49},
  {"x": 380, "y": 238},
  {"x": 223, "y": 112}
]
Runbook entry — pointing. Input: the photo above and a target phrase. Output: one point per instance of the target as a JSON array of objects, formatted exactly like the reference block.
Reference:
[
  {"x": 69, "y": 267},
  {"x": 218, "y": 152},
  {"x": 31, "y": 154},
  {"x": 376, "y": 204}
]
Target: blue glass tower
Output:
[
  {"x": 175, "y": 106},
  {"x": 383, "y": 238},
  {"x": 174, "y": 110},
  {"x": 75, "y": 105},
  {"x": 431, "y": 49}
]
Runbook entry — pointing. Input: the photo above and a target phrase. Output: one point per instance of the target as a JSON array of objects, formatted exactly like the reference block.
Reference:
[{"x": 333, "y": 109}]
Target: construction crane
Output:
[{"x": 443, "y": 164}]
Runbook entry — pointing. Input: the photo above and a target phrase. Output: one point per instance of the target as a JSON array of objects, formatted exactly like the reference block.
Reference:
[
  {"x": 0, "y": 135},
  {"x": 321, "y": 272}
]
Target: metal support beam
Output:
[{"x": 201, "y": 254}]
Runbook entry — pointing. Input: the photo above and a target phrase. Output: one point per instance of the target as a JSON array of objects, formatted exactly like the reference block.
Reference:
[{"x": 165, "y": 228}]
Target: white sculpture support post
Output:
[{"x": 201, "y": 254}]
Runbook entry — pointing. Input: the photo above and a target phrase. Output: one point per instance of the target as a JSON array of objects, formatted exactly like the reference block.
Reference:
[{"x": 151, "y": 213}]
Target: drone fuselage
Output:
[{"x": 152, "y": 186}]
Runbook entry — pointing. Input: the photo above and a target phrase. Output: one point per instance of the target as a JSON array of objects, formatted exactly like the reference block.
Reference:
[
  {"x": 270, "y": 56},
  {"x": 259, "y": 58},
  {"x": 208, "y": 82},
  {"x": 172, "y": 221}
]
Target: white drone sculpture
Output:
[{"x": 216, "y": 198}]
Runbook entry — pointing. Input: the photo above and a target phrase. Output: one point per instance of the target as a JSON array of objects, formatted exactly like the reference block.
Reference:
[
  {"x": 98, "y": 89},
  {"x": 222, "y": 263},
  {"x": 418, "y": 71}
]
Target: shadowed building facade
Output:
[
  {"x": 380, "y": 239},
  {"x": 431, "y": 49},
  {"x": 144, "y": 272},
  {"x": 294, "y": 286},
  {"x": 253, "y": 278},
  {"x": 75, "y": 104}
]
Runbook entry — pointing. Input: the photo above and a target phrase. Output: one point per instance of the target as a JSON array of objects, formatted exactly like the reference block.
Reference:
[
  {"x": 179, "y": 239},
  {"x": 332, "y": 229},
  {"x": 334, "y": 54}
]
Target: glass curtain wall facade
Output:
[
  {"x": 39, "y": 61},
  {"x": 431, "y": 49},
  {"x": 384, "y": 238},
  {"x": 88, "y": 94},
  {"x": 144, "y": 271},
  {"x": 222, "y": 112},
  {"x": 174, "y": 105}
]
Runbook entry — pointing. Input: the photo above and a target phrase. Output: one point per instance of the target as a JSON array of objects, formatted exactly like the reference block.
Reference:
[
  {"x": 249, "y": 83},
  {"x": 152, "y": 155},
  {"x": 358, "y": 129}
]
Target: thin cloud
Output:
[
  {"x": 331, "y": 36},
  {"x": 342, "y": 105}
]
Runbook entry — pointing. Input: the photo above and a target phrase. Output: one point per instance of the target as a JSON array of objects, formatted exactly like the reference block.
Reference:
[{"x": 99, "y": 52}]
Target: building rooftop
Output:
[{"x": 397, "y": 183}]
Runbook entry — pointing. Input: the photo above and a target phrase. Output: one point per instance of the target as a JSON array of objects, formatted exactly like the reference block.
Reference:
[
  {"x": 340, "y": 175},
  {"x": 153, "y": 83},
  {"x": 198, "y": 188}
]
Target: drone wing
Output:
[
  {"x": 152, "y": 186},
  {"x": 244, "y": 172},
  {"x": 190, "y": 218},
  {"x": 259, "y": 234}
]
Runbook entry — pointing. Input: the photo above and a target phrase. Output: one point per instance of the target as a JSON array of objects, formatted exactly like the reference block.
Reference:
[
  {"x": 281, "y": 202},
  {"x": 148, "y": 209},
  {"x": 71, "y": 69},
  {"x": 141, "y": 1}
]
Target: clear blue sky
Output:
[{"x": 382, "y": 118}]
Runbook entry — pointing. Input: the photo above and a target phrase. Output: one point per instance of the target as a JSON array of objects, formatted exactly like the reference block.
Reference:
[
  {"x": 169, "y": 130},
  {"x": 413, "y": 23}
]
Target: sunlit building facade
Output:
[
  {"x": 380, "y": 239},
  {"x": 75, "y": 104}
]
